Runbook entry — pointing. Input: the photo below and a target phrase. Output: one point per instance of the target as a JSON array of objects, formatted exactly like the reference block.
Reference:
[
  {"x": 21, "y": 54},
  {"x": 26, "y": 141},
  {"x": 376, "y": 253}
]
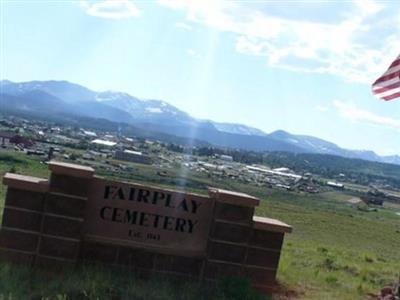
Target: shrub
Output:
[
  {"x": 330, "y": 263},
  {"x": 332, "y": 280},
  {"x": 368, "y": 259}
]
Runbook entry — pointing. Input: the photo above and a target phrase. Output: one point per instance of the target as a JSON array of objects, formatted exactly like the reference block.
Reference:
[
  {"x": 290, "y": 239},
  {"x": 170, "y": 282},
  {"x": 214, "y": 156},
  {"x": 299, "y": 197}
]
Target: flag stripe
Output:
[
  {"x": 391, "y": 97},
  {"x": 388, "y": 93},
  {"x": 385, "y": 83},
  {"x": 387, "y": 87},
  {"x": 392, "y": 70},
  {"x": 395, "y": 63},
  {"x": 387, "y": 77},
  {"x": 378, "y": 89}
]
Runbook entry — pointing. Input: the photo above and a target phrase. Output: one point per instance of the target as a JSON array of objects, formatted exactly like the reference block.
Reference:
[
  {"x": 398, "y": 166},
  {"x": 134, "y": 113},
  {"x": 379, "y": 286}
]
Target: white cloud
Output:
[
  {"x": 321, "y": 108},
  {"x": 184, "y": 26},
  {"x": 352, "y": 47},
  {"x": 84, "y": 3},
  {"x": 193, "y": 53},
  {"x": 111, "y": 9},
  {"x": 368, "y": 7},
  {"x": 351, "y": 112}
]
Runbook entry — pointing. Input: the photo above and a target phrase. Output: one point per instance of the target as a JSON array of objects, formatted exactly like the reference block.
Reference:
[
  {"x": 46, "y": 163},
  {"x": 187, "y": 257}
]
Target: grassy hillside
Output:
[
  {"x": 334, "y": 252},
  {"x": 356, "y": 170}
]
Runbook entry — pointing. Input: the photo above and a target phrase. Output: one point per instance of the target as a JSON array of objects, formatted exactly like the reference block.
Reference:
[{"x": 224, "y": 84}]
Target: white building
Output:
[
  {"x": 103, "y": 143},
  {"x": 335, "y": 185},
  {"x": 226, "y": 157},
  {"x": 132, "y": 156},
  {"x": 89, "y": 133}
]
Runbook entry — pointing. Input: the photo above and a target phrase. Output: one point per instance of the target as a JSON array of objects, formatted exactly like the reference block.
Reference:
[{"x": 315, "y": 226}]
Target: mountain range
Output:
[{"x": 65, "y": 98}]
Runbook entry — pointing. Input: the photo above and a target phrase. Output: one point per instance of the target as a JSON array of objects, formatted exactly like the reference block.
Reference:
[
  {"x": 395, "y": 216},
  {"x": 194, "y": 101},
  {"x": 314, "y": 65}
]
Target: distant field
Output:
[{"x": 334, "y": 252}]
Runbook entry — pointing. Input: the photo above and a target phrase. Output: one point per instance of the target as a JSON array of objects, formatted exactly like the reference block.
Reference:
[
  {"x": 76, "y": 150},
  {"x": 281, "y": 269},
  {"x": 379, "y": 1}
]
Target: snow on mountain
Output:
[
  {"x": 154, "y": 110},
  {"x": 112, "y": 95},
  {"x": 238, "y": 129},
  {"x": 64, "y": 90},
  {"x": 160, "y": 116}
]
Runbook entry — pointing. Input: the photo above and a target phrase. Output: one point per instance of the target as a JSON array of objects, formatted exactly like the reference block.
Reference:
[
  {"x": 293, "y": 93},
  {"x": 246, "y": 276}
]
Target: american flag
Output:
[{"x": 387, "y": 87}]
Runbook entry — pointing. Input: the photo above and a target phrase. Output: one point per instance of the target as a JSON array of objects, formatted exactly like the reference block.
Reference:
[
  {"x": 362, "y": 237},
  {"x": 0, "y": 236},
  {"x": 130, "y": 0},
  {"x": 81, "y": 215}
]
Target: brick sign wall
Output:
[{"x": 77, "y": 217}]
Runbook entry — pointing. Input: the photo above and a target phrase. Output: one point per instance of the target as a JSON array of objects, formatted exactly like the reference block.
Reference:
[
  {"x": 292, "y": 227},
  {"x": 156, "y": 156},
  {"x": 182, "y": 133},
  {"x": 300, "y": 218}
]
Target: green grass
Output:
[
  {"x": 96, "y": 282},
  {"x": 22, "y": 164},
  {"x": 335, "y": 251}
]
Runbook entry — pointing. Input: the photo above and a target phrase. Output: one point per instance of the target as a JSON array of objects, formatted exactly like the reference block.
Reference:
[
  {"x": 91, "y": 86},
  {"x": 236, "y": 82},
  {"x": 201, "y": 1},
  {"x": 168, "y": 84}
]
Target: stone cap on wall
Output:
[
  {"x": 27, "y": 183},
  {"x": 234, "y": 198},
  {"x": 269, "y": 224},
  {"x": 68, "y": 169}
]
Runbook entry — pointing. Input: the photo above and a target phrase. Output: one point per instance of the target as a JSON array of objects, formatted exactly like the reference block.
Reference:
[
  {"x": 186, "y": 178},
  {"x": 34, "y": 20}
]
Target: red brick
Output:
[
  {"x": 215, "y": 270},
  {"x": 64, "y": 205},
  {"x": 261, "y": 276},
  {"x": 71, "y": 169},
  {"x": 62, "y": 227},
  {"x": 234, "y": 213},
  {"x": 263, "y": 258},
  {"x": 226, "y": 252},
  {"x": 24, "y": 199},
  {"x": 28, "y": 183},
  {"x": 93, "y": 251},
  {"x": 22, "y": 219},
  {"x": 235, "y": 198},
  {"x": 14, "y": 239},
  {"x": 267, "y": 239},
  {"x": 58, "y": 247},
  {"x": 178, "y": 264},
  {"x": 230, "y": 232},
  {"x": 8, "y": 255},
  {"x": 69, "y": 185},
  {"x": 136, "y": 258},
  {"x": 268, "y": 224}
]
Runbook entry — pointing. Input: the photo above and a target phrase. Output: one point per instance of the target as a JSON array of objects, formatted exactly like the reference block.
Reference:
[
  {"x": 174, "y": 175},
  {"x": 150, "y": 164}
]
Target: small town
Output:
[{"x": 119, "y": 155}]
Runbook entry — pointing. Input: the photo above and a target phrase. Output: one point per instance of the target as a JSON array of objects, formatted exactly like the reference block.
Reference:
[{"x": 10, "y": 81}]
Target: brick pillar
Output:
[
  {"x": 63, "y": 215},
  {"x": 264, "y": 251},
  {"x": 229, "y": 236},
  {"x": 22, "y": 218}
]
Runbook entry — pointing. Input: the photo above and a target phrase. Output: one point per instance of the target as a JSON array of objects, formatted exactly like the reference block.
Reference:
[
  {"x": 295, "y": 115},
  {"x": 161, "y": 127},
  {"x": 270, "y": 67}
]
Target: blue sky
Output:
[{"x": 305, "y": 67}]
